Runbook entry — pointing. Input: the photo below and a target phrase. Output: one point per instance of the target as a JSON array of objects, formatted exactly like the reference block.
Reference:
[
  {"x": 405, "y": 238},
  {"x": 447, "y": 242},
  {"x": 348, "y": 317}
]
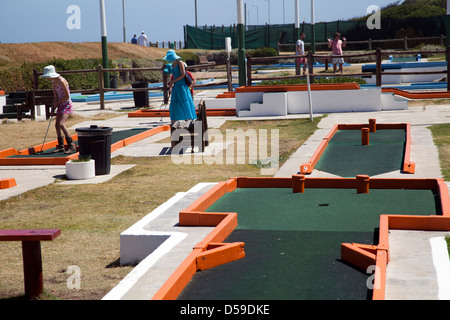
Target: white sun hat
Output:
[{"x": 49, "y": 72}]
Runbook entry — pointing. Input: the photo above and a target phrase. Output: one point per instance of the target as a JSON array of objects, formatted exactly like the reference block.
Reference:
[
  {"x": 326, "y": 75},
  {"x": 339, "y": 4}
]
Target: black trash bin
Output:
[
  {"x": 95, "y": 142},
  {"x": 141, "y": 98}
]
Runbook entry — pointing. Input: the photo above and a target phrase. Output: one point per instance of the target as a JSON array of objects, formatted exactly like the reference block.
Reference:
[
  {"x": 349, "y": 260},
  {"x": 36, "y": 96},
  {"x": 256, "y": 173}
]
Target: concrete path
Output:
[{"x": 408, "y": 277}]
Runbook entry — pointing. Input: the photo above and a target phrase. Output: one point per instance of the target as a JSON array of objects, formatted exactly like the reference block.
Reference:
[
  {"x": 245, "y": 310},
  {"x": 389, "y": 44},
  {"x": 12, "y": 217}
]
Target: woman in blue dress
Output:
[{"x": 181, "y": 104}]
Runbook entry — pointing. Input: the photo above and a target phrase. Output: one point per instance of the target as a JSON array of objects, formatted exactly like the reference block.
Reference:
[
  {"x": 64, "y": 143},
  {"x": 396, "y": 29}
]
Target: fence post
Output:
[
  {"x": 101, "y": 90},
  {"x": 249, "y": 70},
  {"x": 447, "y": 53},
  {"x": 310, "y": 61},
  {"x": 35, "y": 80},
  {"x": 229, "y": 75},
  {"x": 405, "y": 44},
  {"x": 378, "y": 69},
  {"x": 370, "y": 44},
  {"x": 165, "y": 87}
]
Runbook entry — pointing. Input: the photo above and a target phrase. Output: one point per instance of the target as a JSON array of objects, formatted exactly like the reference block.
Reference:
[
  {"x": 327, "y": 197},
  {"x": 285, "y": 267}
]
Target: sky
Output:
[{"x": 24, "y": 21}]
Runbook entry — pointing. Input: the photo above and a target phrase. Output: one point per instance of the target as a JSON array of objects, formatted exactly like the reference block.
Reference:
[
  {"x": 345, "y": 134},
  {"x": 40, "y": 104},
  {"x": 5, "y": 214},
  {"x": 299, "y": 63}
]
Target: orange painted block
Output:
[
  {"x": 227, "y": 94},
  {"x": 379, "y": 285},
  {"x": 218, "y": 254},
  {"x": 373, "y": 125},
  {"x": 298, "y": 183},
  {"x": 357, "y": 256},
  {"x": 365, "y": 136},
  {"x": 305, "y": 168},
  {"x": 362, "y": 184},
  {"x": 7, "y": 183}
]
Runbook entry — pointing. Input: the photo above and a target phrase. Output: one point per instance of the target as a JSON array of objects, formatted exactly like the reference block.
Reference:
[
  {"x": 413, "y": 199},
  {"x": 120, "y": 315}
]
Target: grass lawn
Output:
[
  {"x": 441, "y": 137},
  {"x": 91, "y": 217}
]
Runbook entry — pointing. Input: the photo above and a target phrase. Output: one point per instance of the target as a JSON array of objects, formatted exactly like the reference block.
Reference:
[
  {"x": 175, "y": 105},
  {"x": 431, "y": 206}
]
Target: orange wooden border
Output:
[
  {"x": 309, "y": 166},
  {"x": 418, "y": 95},
  {"x": 407, "y": 167},
  {"x": 4, "y": 160},
  {"x": 227, "y": 94},
  {"x": 215, "y": 252}
]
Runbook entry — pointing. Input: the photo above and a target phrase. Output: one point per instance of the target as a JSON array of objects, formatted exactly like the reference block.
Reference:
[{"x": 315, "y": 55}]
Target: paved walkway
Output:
[{"x": 408, "y": 276}]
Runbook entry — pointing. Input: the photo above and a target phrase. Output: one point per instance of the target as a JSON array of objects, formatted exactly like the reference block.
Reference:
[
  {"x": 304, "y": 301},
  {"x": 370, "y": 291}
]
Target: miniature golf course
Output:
[
  {"x": 345, "y": 156},
  {"x": 371, "y": 149},
  {"x": 115, "y": 137},
  {"x": 293, "y": 241},
  {"x": 34, "y": 155}
]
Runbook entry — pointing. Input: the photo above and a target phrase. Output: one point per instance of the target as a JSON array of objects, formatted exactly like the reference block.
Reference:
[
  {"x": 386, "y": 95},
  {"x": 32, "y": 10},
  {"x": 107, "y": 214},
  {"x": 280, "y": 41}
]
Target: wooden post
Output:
[
  {"x": 365, "y": 136},
  {"x": 35, "y": 80},
  {"x": 165, "y": 87},
  {"x": 32, "y": 268},
  {"x": 362, "y": 184},
  {"x": 373, "y": 125},
  {"x": 229, "y": 75},
  {"x": 249, "y": 70},
  {"x": 298, "y": 183},
  {"x": 447, "y": 53},
  {"x": 310, "y": 61},
  {"x": 378, "y": 69},
  {"x": 101, "y": 90}
]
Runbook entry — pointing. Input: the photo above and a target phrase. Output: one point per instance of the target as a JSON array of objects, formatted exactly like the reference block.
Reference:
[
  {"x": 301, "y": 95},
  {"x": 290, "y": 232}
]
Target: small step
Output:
[{"x": 8, "y": 115}]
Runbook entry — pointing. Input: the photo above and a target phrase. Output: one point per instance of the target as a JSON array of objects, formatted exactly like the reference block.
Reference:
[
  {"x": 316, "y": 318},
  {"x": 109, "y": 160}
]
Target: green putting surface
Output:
[
  {"x": 293, "y": 242},
  {"x": 345, "y": 156},
  {"x": 115, "y": 137}
]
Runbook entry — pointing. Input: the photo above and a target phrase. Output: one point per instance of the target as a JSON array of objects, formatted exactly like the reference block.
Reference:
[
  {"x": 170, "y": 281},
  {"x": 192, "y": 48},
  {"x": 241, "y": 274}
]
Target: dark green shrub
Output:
[
  {"x": 146, "y": 76},
  {"x": 262, "y": 52},
  {"x": 189, "y": 57}
]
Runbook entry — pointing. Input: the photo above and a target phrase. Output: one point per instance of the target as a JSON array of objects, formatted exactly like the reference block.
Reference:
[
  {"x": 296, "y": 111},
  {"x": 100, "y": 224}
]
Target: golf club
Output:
[
  {"x": 165, "y": 106},
  {"x": 51, "y": 116}
]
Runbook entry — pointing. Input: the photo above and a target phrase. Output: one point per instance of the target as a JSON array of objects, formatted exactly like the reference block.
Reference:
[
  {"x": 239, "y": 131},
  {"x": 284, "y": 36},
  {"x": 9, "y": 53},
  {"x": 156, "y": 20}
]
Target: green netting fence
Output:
[{"x": 258, "y": 36}]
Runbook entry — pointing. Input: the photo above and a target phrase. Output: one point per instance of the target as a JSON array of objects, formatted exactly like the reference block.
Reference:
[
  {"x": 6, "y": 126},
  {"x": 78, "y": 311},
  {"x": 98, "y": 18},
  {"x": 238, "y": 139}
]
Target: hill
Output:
[
  {"x": 413, "y": 9},
  {"x": 14, "y": 54}
]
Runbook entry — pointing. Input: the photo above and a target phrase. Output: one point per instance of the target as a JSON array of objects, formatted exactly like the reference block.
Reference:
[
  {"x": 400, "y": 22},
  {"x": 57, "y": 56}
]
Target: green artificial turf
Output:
[{"x": 345, "y": 155}]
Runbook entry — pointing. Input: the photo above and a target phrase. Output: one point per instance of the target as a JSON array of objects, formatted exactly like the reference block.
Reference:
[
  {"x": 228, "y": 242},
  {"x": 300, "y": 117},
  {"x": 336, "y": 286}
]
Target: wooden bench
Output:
[
  {"x": 35, "y": 98},
  {"x": 31, "y": 254},
  {"x": 193, "y": 131},
  {"x": 41, "y": 97},
  {"x": 16, "y": 104}
]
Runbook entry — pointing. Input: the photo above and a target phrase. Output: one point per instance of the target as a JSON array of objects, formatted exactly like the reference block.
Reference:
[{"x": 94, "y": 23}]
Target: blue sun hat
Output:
[
  {"x": 49, "y": 72},
  {"x": 171, "y": 56}
]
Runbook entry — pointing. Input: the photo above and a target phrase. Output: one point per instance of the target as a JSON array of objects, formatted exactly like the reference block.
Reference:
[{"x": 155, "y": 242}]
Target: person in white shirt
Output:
[
  {"x": 300, "y": 50},
  {"x": 142, "y": 40}
]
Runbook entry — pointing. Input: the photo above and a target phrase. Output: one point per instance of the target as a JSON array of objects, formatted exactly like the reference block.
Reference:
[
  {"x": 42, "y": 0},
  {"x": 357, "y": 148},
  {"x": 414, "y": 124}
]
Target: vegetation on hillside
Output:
[{"x": 412, "y": 9}]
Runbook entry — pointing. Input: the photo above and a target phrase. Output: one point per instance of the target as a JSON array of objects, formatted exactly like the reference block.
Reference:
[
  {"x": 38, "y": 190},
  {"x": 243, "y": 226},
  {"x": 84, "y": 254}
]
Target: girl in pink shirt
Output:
[{"x": 336, "y": 45}]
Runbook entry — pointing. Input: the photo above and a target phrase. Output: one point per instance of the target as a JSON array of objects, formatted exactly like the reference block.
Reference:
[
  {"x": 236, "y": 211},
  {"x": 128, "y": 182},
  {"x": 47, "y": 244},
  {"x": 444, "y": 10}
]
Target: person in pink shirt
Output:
[{"x": 336, "y": 45}]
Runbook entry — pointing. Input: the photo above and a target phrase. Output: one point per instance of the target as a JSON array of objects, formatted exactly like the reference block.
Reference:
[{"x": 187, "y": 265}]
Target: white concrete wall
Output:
[{"x": 2, "y": 102}]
